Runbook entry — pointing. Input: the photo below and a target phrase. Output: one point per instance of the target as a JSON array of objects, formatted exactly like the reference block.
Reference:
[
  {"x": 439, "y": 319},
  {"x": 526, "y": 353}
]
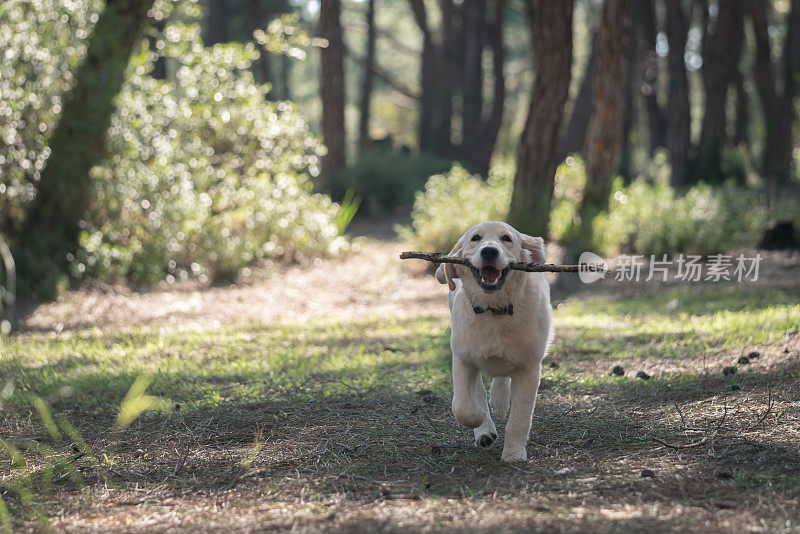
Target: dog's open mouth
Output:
[{"x": 489, "y": 278}]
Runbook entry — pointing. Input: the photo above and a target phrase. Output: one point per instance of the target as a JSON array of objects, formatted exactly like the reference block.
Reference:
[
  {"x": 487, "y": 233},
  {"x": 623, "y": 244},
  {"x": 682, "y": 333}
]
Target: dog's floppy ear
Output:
[
  {"x": 534, "y": 246},
  {"x": 447, "y": 271}
]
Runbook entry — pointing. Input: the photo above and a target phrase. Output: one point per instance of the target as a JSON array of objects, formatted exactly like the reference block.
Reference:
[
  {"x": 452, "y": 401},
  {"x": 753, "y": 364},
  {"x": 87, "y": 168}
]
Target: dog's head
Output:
[{"x": 490, "y": 247}]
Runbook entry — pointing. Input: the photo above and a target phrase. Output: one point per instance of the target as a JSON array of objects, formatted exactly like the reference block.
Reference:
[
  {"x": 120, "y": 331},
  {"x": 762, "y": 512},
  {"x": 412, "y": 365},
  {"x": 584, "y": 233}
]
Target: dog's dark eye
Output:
[
  {"x": 476, "y": 237},
  {"x": 506, "y": 238}
]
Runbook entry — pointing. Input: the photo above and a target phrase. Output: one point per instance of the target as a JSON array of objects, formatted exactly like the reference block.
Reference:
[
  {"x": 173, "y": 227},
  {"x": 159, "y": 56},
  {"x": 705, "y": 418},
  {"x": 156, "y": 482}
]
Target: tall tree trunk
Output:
[
  {"x": 366, "y": 81},
  {"x": 539, "y": 145},
  {"x": 427, "y": 77},
  {"x": 777, "y": 107},
  {"x": 332, "y": 90},
  {"x": 741, "y": 132},
  {"x": 624, "y": 167},
  {"x": 447, "y": 78},
  {"x": 490, "y": 124},
  {"x": 262, "y": 69},
  {"x": 720, "y": 66},
  {"x": 159, "y": 71},
  {"x": 217, "y": 22},
  {"x": 679, "y": 124},
  {"x": 604, "y": 139},
  {"x": 474, "y": 22},
  {"x": 578, "y": 124},
  {"x": 285, "y": 92},
  {"x": 647, "y": 34},
  {"x": 50, "y": 232}
]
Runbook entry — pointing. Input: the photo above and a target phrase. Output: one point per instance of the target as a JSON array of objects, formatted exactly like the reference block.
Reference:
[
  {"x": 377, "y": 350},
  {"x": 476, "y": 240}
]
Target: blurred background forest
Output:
[{"x": 143, "y": 141}]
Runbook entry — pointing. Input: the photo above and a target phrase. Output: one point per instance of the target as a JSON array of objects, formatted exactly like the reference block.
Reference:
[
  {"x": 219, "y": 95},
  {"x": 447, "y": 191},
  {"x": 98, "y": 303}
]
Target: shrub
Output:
[
  {"x": 40, "y": 43},
  {"x": 568, "y": 187},
  {"x": 451, "y": 203},
  {"x": 649, "y": 219},
  {"x": 387, "y": 180},
  {"x": 205, "y": 176}
]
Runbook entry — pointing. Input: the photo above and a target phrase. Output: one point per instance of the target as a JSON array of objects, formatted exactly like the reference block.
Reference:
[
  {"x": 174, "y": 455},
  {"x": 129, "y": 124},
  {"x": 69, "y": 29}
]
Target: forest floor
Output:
[{"x": 316, "y": 398}]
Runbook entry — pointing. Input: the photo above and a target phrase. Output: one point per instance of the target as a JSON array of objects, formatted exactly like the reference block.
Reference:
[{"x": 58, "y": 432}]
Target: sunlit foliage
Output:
[
  {"x": 203, "y": 176},
  {"x": 41, "y": 42},
  {"x": 451, "y": 203}
]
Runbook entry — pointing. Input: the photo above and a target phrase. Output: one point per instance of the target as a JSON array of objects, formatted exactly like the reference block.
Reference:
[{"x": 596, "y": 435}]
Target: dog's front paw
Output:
[
  {"x": 486, "y": 440},
  {"x": 515, "y": 454}
]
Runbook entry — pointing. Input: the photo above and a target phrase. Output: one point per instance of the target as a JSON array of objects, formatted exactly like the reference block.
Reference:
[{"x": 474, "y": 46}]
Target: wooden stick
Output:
[{"x": 531, "y": 267}]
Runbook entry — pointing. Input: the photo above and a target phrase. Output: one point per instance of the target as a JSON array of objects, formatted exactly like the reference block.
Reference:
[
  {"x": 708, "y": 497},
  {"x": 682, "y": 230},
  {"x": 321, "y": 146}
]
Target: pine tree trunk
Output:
[
  {"x": 217, "y": 27},
  {"x": 50, "y": 232},
  {"x": 656, "y": 121},
  {"x": 332, "y": 90},
  {"x": 366, "y": 81},
  {"x": 604, "y": 139},
  {"x": 427, "y": 77},
  {"x": 625, "y": 163},
  {"x": 777, "y": 108},
  {"x": 490, "y": 125},
  {"x": 539, "y": 145},
  {"x": 720, "y": 66},
  {"x": 578, "y": 124},
  {"x": 445, "y": 82},
  {"x": 678, "y": 127},
  {"x": 741, "y": 133},
  {"x": 474, "y": 21},
  {"x": 262, "y": 68}
]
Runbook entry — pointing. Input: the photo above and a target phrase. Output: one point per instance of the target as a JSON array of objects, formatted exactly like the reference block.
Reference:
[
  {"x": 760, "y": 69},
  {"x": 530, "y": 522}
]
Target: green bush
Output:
[
  {"x": 568, "y": 187},
  {"x": 387, "y": 179},
  {"x": 451, "y": 203},
  {"x": 646, "y": 218},
  {"x": 203, "y": 175},
  {"x": 206, "y": 175},
  {"x": 40, "y": 44}
]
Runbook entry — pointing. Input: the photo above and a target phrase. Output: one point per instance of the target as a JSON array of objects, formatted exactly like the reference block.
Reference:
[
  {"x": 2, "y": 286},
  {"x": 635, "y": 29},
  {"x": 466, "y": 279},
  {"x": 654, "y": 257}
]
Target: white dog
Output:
[{"x": 501, "y": 326}]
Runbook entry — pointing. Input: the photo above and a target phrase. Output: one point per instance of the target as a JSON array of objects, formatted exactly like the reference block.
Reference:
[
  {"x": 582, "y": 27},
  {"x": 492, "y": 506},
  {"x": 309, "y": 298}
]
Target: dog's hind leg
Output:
[
  {"x": 486, "y": 434},
  {"x": 500, "y": 396}
]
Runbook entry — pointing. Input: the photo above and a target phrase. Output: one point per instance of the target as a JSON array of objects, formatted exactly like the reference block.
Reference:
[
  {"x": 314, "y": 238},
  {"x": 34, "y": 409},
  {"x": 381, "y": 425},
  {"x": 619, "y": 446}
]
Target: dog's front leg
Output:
[
  {"x": 465, "y": 409},
  {"x": 524, "y": 387}
]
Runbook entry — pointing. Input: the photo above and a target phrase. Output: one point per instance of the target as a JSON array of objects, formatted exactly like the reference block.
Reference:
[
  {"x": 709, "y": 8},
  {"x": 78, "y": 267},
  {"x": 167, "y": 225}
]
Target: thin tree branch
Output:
[
  {"x": 531, "y": 267},
  {"x": 383, "y": 75}
]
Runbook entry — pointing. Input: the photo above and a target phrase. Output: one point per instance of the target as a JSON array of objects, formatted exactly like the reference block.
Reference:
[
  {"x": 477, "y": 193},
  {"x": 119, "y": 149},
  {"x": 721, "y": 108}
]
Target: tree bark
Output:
[
  {"x": 624, "y": 167},
  {"x": 285, "y": 92},
  {"x": 604, "y": 139},
  {"x": 538, "y": 147},
  {"x": 474, "y": 22},
  {"x": 217, "y": 27},
  {"x": 446, "y": 79},
  {"x": 777, "y": 107},
  {"x": 159, "y": 71},
  {"x": 678, "y": 127},
  {"x": 575, "y": 137},
  {"x": 490, "y": 124},
  {"x": 741, "y": 133},
  {"x": 50, "y": 232},
  {"x": 656, "y": 121},
  {"x": 427, "y": 77},
  {"x": 720, "y": 66},
  {"x": 262, "y": 68},
  {"x": 332, "y": 90},
  {"x": 366, "y": 81}
]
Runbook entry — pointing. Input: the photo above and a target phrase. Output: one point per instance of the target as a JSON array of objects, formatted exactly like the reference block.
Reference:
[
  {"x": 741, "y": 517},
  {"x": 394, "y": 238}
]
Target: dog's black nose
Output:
[{"x": 489, "y": 253}]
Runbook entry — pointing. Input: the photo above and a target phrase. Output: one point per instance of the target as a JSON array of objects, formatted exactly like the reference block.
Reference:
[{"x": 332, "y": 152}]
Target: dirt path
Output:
[
  {"x": 369, "y": 282},
  {"x": 685, "y": 451}
]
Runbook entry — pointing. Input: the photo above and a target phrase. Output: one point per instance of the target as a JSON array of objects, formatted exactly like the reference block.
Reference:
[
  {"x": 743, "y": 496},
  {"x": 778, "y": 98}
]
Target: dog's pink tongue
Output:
[{"x": 489, "y": 274}]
